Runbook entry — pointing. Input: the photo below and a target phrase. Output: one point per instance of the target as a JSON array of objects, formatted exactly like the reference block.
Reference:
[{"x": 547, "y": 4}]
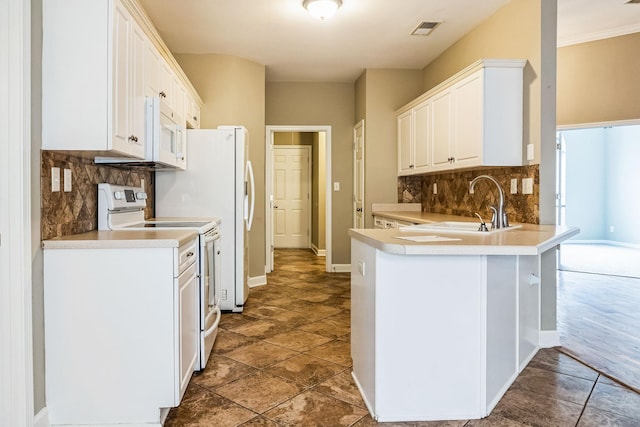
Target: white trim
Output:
[
  {"x": 359, "y": 125},
  {"x": 590, "y": 125},
  {"x": 269, "y": 187},
  {"x": 318, "y": 252},
  {"x": 42, "y": 418},
  {"x": 599, "y": 35},
  {"x": 548, "y": 339},
  {"x": 602, "y": 242},
  {"x": 16, "y": 357},
  {"x": 341, "y": 268},
  {"x": 257, "y": 281}
]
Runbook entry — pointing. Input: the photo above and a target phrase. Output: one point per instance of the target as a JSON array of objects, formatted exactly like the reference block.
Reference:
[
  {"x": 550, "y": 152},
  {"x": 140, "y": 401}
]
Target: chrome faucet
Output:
[{"x": 499, "y": 215}]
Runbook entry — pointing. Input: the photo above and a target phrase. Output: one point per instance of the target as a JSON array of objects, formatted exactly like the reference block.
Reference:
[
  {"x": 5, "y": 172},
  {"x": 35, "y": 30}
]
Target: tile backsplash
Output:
[
  {"x": 65, "y": 213},
  {"x": 453, "y": 195}
]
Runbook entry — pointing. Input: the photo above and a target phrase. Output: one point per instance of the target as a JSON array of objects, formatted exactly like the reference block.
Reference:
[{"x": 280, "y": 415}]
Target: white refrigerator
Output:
[{"x": 219, "y": 183}]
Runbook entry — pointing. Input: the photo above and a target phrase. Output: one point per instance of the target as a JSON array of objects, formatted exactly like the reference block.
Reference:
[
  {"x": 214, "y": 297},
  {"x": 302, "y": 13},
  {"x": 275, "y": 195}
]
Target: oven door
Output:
[{"x": 209, "y": 293}]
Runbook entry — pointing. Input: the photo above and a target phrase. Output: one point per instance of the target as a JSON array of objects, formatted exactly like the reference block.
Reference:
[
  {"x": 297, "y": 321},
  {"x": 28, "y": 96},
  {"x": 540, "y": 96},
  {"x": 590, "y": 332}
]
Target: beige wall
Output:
[
  {"x": 322, "y": 104},
  {"x": 383, "y": 91},
  {"x": 232, "y": 90},
  {"x": 599, "y": 81}
]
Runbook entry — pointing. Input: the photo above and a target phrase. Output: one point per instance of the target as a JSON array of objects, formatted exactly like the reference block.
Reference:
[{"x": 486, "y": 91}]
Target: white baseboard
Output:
[
  {"x": 318, "y": 252},
  {"x": 257, "y": 281},
  {"x": 42, "y": 418},
  {"x": 341, "y": 268},
  {"x": 602, "y": 242},
  {"x": 548, "y": 339}
]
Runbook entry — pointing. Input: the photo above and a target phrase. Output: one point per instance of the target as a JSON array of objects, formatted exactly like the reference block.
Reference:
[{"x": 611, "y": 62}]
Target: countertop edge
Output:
[{"x": 122, "y": 239}]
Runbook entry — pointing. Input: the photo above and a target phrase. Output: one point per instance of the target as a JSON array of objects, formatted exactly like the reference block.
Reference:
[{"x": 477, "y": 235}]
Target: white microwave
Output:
[
  {"x": 165, "y": 138},
  {"x": 167, "y": 133}
]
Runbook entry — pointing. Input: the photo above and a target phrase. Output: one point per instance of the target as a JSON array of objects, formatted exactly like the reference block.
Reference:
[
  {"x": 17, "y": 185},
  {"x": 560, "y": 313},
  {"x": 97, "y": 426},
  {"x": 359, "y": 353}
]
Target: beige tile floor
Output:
[{"x": 285, "y": 361}]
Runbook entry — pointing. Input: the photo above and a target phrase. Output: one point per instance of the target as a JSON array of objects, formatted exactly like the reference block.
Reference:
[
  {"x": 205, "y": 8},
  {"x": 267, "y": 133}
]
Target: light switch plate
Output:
[
  {"x": 55, "y": 179},
  {"x": 435, "y": 188},
  {"x": 527, "y": 186},
  {"x": 336, "y": 186},
  {"x": 530, "y": 152},
  {"x": 514, "y": 186},
  {"x": 67, "y": 180}
]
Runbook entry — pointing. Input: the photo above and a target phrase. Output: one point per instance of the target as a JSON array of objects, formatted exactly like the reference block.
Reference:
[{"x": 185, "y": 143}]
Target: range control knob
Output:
[
  {"x": 141, "y": 195},
  {"x": 118, "y": 195}
]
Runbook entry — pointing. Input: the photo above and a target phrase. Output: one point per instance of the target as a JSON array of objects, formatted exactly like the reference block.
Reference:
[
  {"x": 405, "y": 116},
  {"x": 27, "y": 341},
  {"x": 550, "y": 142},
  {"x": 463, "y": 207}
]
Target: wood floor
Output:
[{"x": 599, "y": 323}]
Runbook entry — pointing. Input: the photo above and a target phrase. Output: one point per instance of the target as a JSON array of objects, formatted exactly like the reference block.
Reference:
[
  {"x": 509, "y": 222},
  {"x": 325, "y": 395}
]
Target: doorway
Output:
[
  {"x": 597, "y": 174},
  {"x": 320, "y": 218},
  {"x": 291, "y": 195}
]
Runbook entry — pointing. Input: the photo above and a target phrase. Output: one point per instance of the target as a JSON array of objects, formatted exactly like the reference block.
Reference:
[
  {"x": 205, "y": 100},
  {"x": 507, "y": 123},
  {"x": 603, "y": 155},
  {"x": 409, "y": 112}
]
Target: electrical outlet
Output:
[
  {"x": 527, "y": 186},
  {"x": 361, "y": 267},
  {"x": 514, "y": 186},
  {"x": 471, "y": 190},
  {"x": 435, "y": 188},
  {"x": 612, "y": 229},
  {"x": 55, "y": 179},
  {"x": 67, "y": 180},
  {"x": 142, "y": 183}
]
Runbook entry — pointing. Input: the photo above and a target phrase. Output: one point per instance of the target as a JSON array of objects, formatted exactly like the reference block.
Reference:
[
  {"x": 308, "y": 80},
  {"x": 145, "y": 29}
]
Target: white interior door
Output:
[
  {"x": 291, "y": 196},
  {"x": 358, "y": 175}
]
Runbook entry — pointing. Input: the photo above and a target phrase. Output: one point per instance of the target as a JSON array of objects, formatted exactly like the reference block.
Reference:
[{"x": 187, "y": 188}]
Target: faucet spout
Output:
[{"x": 501, "y": 220}]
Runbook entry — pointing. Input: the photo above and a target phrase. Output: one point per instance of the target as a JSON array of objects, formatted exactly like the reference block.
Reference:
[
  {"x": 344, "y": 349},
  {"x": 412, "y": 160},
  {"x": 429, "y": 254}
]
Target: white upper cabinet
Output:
[
  {"x": 472, "y": 119},
  {"x": 101, "y": 60},
  {"x": 92, "y": 78},
  {"x": 414, "y": 140}
]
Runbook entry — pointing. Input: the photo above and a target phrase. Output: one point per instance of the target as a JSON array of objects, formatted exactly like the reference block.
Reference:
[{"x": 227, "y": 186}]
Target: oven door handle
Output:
[{"x": 215, "y": 324}]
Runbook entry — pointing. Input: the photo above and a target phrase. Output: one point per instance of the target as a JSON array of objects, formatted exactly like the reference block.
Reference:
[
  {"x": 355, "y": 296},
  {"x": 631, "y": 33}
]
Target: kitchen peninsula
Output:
[{"x": 441, "y": 326}]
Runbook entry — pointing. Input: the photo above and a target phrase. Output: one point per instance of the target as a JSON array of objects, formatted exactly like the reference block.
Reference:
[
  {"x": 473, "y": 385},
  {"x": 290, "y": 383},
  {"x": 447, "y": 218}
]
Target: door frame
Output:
[
  {"x": 270, "y": 130},
  {"x": 308, "y": 149},
  {"x": 16, "y": 332},
  {"x": 359, "y": 125}
]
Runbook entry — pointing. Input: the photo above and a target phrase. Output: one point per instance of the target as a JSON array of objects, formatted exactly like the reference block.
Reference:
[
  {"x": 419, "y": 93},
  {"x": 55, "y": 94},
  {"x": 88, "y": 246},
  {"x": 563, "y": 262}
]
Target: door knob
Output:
[{"x": 275, "y": 207}]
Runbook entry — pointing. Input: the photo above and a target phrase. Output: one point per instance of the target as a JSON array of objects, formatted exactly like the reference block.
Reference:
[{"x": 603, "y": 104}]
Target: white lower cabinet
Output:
[
  {"x": 120, "y": 333},
  {"x": 439, "y": 337}
]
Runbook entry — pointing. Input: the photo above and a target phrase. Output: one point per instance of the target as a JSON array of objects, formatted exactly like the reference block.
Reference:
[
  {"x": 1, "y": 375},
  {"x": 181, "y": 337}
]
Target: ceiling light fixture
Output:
[{"x": 322, "y": 9}]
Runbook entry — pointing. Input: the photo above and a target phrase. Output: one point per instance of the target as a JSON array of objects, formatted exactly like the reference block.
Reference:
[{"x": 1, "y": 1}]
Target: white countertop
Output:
[
  {"x": 122, "y": 239},
  {"x": 420, "y": 217},
  {"x": 529, "y": 239}
]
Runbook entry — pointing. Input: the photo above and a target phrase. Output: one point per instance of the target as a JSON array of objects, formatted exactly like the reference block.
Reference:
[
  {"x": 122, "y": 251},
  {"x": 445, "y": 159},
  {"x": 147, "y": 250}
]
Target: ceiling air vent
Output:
[{"x": 424, "y": 28}]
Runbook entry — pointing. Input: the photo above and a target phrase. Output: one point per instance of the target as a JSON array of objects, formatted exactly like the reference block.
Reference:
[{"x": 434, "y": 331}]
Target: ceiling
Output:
[{"x": 363, "y": 34}]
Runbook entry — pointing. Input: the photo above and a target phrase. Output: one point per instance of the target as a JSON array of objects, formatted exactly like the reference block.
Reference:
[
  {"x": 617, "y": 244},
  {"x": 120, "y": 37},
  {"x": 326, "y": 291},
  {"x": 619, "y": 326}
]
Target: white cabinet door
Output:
[
  {"x": 155, "y": 73},
  {"x": 189, "y": 329},
  {"x": 421, "y": 137},
  {"x": 441, "y": 130},
  {"x": 405, "y": 155},
  {"x": 120, "y": 122},
  {"x": 193, "y": 113},
  {"x": 468, "y": 115},
  {"x": 137, "y": 99}
]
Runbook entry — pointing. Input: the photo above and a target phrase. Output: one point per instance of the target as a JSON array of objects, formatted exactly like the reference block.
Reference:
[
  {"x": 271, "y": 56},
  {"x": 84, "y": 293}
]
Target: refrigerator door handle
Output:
[{"x": 249, "y": 209}]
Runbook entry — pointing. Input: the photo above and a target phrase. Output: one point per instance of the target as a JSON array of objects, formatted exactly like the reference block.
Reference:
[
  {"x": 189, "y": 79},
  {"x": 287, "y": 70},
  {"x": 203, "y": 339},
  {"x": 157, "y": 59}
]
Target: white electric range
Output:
[{"x": 122, "y": 208}]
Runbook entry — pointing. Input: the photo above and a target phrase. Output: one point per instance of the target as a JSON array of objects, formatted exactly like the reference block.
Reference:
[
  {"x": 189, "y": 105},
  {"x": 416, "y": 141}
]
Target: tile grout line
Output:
[{"x": 586, "y": 402}]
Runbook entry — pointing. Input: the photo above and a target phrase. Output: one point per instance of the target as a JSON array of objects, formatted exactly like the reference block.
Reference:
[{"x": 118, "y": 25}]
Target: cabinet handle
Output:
[
  {"x": 410, "y": 166},
  {"x": 195, "y": 119},
  {"x": 133, "y": 138},
  {"x": 162, "y": 94},
  {"x": 358, "y": 209}
]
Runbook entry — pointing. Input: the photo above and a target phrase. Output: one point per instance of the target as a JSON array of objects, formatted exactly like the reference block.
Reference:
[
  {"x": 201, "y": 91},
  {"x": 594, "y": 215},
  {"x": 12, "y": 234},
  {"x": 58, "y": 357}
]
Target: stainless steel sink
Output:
[{"x": 456, "y": 227}]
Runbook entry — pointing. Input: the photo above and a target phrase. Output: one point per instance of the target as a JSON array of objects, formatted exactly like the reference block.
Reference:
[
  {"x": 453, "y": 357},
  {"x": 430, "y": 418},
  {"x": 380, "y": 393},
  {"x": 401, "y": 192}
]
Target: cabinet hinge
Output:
[{"x": 558, "y": 146}]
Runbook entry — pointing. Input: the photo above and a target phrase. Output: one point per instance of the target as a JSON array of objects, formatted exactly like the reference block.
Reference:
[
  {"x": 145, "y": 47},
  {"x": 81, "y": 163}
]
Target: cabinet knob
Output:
[
  {"x": 195, "y": 119},
  {"x": 410, "y": 166},
  {"x": 358, "y": 209}
]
